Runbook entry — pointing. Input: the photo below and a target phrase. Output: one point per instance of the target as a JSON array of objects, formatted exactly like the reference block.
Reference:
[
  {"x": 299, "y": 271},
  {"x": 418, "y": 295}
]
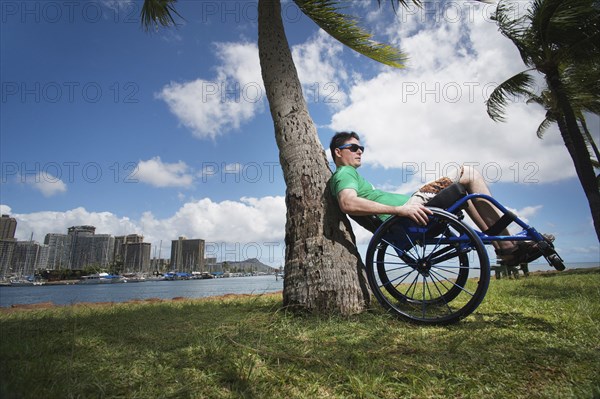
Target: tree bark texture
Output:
[
  {"x": 575, "y": 143},
  {"x": 323, "y": 270}
]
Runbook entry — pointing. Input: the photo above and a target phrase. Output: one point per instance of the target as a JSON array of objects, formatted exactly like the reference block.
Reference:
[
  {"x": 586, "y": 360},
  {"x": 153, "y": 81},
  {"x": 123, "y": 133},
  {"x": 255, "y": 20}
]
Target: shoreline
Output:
[
  {"x": 51, "y": 305},
  {"x": 129, "y": 280}
]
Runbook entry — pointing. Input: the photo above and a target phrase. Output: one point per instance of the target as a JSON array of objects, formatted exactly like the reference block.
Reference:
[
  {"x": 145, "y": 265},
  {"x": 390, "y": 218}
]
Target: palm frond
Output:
[
  {"x": 514, "y": 28},
  {"x": 581, "y": 79},
  {"x": 345, "y": 29},
  {"x": 157, "y": 13},
  {"x": 581, "y": 14},
  {"x": 546, "y": 123},
  {"x": 518, "y": 85},
  {"x": 565, "y": 29},
  {"x": 539, "y": 100}
]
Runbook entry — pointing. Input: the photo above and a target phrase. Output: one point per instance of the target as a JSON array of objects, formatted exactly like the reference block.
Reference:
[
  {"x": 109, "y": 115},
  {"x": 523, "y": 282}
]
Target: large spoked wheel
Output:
[{"x": 434, "y": 274}]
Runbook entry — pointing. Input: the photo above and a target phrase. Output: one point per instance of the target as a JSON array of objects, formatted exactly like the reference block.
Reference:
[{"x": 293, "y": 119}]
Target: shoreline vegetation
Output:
[
  {"x": 534, "y": 337},
  {"x": 49, "y": 304}
]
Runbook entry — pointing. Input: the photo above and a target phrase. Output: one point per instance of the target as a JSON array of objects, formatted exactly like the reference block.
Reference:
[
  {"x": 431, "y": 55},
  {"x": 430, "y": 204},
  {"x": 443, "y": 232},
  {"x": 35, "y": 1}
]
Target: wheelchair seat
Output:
[
  {"x": 448, "y": 196},
  {"x": 369, "y": 222},
  {"x": 444, "y": 199}
]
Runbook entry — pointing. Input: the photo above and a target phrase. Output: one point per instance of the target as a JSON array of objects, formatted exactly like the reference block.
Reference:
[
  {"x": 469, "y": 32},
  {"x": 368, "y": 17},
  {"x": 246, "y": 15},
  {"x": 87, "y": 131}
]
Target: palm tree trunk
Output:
[
  {"x": 577, "y": 148},
  {"x": 588, "y": 137},
  {"x": 323, "y": 270},
  {"x": 592, "y": 143}
]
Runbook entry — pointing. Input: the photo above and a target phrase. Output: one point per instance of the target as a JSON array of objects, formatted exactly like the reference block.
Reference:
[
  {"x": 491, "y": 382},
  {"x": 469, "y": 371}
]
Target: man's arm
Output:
[{"x": 351, "y": 204}]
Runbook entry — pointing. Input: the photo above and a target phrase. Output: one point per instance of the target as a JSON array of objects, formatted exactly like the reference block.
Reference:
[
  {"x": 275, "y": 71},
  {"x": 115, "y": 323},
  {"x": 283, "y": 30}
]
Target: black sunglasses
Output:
[{"x": 352, "y": 147}]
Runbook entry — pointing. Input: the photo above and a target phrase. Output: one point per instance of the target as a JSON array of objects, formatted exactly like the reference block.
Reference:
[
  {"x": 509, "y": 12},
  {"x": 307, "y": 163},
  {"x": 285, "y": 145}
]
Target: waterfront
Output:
[
  {"x": 77, "y": 293},
  {"x": 122, "y": 292}
]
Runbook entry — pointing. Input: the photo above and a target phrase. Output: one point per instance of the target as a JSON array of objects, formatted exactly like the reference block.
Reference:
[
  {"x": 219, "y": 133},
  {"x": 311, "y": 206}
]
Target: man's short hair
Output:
[{"x": 339, "y": 139}]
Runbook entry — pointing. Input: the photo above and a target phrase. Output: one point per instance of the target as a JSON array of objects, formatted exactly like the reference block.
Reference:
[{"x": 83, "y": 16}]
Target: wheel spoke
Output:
[
  {"x": 461, "y": 288},
  {"x": 404, "y": 253},
  {"x": 440, "y": 280},
  {"x": 426, "y": 275},
  {"x": 424, "y": 303},
  {"x": 412, "y": 286},
  {"x": 439, "y": 292},
  {"x": 391, "y": 282}
]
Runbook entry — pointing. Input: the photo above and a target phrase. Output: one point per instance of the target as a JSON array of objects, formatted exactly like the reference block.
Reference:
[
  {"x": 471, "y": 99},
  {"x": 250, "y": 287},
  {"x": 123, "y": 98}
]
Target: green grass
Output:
[{"x": 531, "y": 338}]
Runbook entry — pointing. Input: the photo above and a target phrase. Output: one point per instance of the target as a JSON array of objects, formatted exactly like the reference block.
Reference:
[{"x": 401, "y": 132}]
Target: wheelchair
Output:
[{"x": 439, "y": 274}]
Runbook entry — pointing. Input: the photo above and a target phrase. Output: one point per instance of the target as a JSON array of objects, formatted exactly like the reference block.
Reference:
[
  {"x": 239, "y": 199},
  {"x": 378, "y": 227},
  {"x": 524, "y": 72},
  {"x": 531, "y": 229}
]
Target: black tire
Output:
[{"x": 436, "y": 274}]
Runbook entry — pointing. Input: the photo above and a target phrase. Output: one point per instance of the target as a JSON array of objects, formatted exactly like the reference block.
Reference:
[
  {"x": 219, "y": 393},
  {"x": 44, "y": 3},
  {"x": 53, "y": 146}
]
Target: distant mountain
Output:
[{"x": 246, "y": 266}]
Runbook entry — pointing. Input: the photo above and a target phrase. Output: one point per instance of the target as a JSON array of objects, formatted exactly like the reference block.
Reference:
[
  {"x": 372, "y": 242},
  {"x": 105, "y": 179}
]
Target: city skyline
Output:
[
  {"x": 96, "y": 129},
  {"x": 81, "y": 247}
]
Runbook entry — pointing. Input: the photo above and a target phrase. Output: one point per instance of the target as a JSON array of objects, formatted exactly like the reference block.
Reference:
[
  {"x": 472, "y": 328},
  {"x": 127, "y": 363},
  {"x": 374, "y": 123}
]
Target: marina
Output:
[
  {"x": 161, "y": 289},
  {"x": 131, "y": 289}
]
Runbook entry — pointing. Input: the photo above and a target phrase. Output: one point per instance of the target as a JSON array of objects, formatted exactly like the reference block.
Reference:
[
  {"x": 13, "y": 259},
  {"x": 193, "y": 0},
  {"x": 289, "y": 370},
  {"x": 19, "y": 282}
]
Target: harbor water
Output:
[{"x": 122, "y": 292}]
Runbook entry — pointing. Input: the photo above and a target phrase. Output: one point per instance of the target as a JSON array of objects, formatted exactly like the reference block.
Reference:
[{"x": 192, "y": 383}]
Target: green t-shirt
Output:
[{"x": 347, "y": 177}]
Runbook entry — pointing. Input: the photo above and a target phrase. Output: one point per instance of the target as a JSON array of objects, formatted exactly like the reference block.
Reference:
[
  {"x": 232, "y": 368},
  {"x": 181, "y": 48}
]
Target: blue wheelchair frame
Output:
[
  {"x": 418, "y": 271},
  {"x": 528, "y": 234}
]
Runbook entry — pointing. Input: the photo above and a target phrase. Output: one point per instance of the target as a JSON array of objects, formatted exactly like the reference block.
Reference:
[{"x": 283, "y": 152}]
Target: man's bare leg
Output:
[{"x": 482, "y": 212}]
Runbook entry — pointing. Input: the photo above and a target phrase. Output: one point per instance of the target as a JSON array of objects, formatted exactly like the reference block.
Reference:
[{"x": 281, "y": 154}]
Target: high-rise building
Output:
[
  {"x": 187, "y": 255},
  {"x": 59, "y": 251},
  {"x": 81, "y": 247},
  {"x": 7, "y": 249},
  {"x": 137, "y": 257},
  {"x": 8, "y": 227},
  {"x": 8, "y": 244},
  {"x": 27, "y": 257},
  {"x": 90, "y": 249},
  {"x": 121, "y": 243},
  {"x": 133, "y": 252}
]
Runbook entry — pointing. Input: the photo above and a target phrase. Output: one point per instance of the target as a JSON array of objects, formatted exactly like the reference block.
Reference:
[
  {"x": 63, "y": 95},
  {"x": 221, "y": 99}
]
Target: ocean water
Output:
[{"x": 121, "y": 292}]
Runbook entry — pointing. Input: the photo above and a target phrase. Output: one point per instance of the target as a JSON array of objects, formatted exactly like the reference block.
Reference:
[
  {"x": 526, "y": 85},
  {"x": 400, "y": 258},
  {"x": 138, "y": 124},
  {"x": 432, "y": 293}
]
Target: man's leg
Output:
[{"x": 482, "y": 212}]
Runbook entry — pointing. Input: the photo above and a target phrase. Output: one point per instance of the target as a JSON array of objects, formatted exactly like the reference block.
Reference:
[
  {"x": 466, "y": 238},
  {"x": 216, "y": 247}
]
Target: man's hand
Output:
[
  {"x": 351, "y": 204},
  {"x": 416, "y": 212}
]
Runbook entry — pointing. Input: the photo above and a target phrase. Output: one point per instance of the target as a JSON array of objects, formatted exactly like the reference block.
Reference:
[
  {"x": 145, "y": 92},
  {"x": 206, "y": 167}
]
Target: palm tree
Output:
[
  {"x": 559, "y": 39},
  {"x": 580, "y": 83},
  {"x": 546, "y": 100},
  {"x": 323, "y": 270}
]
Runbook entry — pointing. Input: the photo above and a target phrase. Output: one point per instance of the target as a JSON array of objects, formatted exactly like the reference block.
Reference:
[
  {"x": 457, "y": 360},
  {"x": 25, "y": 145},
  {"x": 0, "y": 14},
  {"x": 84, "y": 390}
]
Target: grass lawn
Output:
[{"x": 536, "y": 337}]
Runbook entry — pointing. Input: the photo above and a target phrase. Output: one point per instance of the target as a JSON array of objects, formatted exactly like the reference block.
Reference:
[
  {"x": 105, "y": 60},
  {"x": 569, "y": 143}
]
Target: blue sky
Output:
[{"x": 168, "y": 133}]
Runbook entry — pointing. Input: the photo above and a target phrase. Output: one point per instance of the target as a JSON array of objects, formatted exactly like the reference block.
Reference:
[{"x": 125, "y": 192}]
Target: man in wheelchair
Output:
[{"x": 357, "y": 197}]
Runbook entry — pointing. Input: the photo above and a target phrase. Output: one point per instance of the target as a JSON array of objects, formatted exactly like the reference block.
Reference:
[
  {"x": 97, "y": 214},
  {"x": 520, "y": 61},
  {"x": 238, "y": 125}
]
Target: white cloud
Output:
[
  {"x": 161, "y": 174},
  {"x": 247, "y": 226},
  {"x": 249, "y": 219},
  {"x": 433, "y": 114},
  {"x": 239, "y": 61},
  {"x": 212, "y": 108},
  {"x": 45, "y": 183},
  {"x": 233, "y": 230},
  {"x": 525, "y": 214},
  {"x": 528, "y": 212},
  {"x": 41, "y": 223},
  {"x": 321, "y": 70}
]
